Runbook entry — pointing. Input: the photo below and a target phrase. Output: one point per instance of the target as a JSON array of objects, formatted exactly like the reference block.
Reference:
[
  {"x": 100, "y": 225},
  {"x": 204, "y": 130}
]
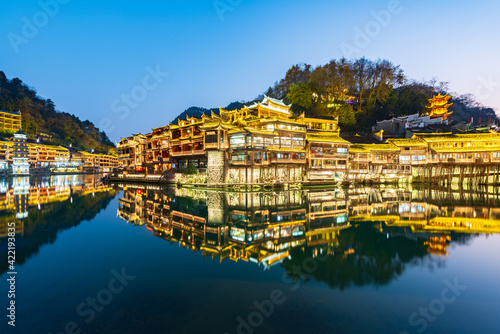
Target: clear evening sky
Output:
[{"x": 88, "y": 55}]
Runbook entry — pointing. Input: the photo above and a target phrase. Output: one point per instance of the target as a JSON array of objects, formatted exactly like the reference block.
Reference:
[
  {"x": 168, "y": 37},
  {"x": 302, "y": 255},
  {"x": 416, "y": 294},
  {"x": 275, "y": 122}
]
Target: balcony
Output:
[
  {"x": 289, "y": 160},
  {"x": 211, "y": 145},
  {"x": 365, "y": 160},
  {"x": 188, "y": 153},
  {"x": 330, "y": 167},
  {"x": 260, "y": 162},
  {"x": 238, "y": 162},
  {"x": 387, "y": 161},
  {"x": 358, "y": 171}
]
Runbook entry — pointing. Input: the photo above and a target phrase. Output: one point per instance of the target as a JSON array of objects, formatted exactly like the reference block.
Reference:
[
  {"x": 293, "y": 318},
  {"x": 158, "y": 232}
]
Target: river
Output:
[{"x": 94, "y": 258}]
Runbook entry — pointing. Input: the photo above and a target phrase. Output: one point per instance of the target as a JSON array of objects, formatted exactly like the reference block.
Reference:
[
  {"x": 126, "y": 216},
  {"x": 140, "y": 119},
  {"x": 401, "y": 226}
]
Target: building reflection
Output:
[
  {"x": 266, "y": 227},
  {"x": 42, "y": 207},
  {"x": 19, "y": 194}
]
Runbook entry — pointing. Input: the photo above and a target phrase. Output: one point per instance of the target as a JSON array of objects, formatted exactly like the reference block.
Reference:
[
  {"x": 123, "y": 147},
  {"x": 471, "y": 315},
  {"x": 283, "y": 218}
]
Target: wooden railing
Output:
[{"x": 186, "y": 153}]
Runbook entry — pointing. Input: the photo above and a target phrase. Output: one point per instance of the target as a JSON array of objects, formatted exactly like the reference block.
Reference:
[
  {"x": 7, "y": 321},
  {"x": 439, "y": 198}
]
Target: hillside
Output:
[
  {"x": 39, "y": 115},
  {"x": 363, "y": 91}
]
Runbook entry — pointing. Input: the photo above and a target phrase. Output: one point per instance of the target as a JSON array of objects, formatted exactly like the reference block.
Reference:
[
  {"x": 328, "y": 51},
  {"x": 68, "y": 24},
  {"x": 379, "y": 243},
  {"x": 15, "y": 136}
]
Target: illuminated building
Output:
[
  {"x": 264, "y": 144},
  {"x": 20, "y": 165},
  {"x": 439, "y": 106},
  {"x": 10, "y": 121},
  {"x": 187, "y": 144},
  {"x": 26, "y": 157},
  {"x": 131, "y": 151}
]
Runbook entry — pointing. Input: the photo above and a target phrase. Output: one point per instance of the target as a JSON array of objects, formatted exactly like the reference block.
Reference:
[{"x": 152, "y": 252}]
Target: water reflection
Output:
[
  {"x": 43, "y": 206},
  {"x": 369, "y": 234}
]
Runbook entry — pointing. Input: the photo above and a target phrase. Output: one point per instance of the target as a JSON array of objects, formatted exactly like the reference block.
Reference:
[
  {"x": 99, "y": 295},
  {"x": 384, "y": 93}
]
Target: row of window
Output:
[
  {"x": 329, "y": 150},
  {"x": 239, "y": 141},
  {"x": 412, "y": 158},
  {"x": 262, "y": 156},
  {"x": 466, "y": 156}
]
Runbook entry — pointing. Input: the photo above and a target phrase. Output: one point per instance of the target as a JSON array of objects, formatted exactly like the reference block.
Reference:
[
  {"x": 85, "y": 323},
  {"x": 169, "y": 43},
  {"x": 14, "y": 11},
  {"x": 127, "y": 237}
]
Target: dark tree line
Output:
[{"x": 40, "y": 115}]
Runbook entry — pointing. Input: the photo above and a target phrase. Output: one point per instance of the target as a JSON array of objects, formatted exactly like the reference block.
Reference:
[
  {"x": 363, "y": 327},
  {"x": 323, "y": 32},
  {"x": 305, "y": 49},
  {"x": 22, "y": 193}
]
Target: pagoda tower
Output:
[
  {"x": 439, "y": 106},
  {"x": 20, "y": 165}
]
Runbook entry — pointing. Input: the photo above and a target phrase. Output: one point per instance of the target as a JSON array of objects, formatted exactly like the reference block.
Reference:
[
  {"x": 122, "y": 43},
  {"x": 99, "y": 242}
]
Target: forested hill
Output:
[
  {"x": 39, "y": 115},
  {"x": 362, "y": 91}
]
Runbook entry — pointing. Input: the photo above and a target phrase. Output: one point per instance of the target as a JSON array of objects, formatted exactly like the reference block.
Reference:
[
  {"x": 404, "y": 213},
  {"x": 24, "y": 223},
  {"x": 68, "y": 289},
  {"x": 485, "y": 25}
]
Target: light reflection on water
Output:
[{"x": 358, "y": 259}]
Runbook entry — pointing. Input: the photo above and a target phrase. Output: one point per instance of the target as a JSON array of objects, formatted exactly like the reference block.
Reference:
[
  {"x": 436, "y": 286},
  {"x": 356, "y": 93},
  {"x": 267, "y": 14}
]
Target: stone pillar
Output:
[{"x": 216, "y": 167}]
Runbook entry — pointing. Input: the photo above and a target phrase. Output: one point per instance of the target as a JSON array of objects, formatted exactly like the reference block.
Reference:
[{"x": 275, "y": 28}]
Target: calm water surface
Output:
[{"x": 92, "y": 258}]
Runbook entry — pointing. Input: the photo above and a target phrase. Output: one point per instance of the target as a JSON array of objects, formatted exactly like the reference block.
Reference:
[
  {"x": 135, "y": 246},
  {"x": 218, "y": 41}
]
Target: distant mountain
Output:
[
  {"x": 194, "y": 112},
  {"x": 198, "y": 111},
  {"x": 39, "y": 115}
]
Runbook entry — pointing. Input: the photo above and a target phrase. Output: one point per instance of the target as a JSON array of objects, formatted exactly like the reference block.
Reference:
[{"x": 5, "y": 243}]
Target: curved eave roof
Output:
[
  {"x": 407, "y": 142},
  {"x": 326, "y": 139},
  {"x": 465, "y": 149}
]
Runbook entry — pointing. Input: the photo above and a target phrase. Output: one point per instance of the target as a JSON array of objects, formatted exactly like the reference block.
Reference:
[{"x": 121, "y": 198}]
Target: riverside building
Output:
[{"x": 263, "y": 143}]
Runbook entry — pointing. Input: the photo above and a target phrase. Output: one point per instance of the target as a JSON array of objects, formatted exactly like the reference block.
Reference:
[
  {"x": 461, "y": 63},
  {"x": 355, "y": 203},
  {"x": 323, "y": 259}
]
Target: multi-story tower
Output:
[
  {"x": 20, "y": 165},
  {"x": 439, "y": 106}
]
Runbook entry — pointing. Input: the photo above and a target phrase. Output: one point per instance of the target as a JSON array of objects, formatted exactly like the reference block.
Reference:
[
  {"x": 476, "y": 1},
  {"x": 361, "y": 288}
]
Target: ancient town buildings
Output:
[{"x": 263, "y": 143}]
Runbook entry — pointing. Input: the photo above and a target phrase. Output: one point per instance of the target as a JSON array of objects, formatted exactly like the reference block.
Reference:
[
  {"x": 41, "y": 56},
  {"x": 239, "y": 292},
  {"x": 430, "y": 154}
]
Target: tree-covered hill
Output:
[
  {"x": 39, "y": 115},
  {"x": 362, "y": 91}
]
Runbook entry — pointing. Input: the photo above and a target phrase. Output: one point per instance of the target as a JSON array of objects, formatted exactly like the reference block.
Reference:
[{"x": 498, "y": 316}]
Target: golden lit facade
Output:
[
  {"x": 264, "y": 144},
  {"x": 132, "y": 151},
  {"x": 439, "y": 105},
  {"x": 187, "y": 144},
  {"x": 51, "y": 158},
  {"x": 10, "y": 121}
]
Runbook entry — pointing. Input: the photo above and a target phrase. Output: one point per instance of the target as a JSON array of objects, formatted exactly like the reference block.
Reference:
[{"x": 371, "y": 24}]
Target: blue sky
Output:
[{"x": 87, "y": 55}]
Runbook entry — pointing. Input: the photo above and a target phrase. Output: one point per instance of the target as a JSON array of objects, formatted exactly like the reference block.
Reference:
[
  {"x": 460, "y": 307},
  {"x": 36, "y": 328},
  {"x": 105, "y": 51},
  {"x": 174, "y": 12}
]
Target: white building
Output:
[
  {"x": 398, "y": 125},
  {"x": 20, "y": 165}
]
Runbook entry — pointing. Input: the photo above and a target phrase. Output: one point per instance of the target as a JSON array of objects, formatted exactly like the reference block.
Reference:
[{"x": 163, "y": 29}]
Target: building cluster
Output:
[
  {"x": 18, "y": 156},
  {"x": 436, "y": 121},
  {"x": 263, "y": 227},
  {"x": 263, "y": 143}
]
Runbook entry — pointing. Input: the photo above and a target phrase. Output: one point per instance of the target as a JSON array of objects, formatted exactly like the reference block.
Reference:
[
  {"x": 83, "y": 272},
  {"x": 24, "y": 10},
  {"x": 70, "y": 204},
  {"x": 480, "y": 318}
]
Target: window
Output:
[
  {"x": 210, "y": 139},
  {"x": 237, "y": 141},
  {"x": 238, "y": 157},
  {"x": 258, "y": 141},
  {"x": 260, "y": 156},
  {"x": 342, "y": 150},
  {"x": 286, "y": 142},
  {"x": 298, "y": 141},
  {"x": 298, "y": 156}
]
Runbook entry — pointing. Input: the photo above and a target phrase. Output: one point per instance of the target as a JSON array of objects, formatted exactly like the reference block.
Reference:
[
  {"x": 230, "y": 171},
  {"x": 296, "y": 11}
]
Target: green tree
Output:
[
  {"x": 345, "y": 113},
  {"x": 301, "y": 98}
]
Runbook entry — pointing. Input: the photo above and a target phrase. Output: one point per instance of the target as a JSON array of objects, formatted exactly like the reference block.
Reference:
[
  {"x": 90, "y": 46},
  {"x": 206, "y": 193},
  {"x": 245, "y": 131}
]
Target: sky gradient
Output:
[{"x": 88, "y": 56}]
